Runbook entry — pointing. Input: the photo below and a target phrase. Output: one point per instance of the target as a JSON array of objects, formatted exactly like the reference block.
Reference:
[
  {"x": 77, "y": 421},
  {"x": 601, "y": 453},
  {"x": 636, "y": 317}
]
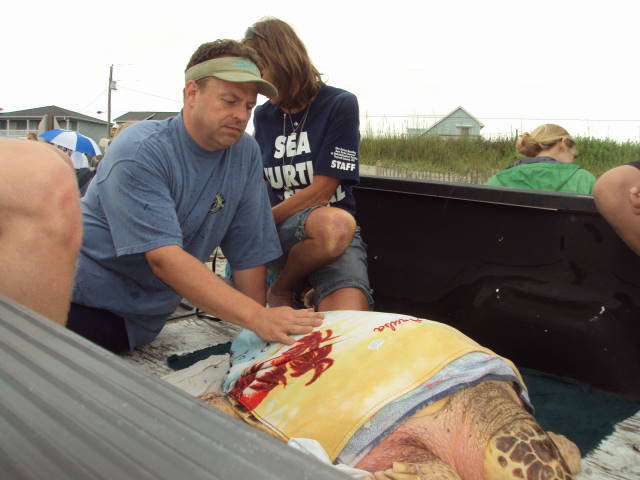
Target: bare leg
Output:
[
  {"x": 330, "y": 231},
  {"x": 350, "y": 298},
  {"x": 612, "y": 197},
  {"x": 40, "y": 227}
]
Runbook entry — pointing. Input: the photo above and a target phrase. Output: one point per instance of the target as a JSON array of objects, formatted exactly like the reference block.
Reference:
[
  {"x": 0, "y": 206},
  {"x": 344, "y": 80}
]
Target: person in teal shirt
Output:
[{"x": 548, "y": 165}]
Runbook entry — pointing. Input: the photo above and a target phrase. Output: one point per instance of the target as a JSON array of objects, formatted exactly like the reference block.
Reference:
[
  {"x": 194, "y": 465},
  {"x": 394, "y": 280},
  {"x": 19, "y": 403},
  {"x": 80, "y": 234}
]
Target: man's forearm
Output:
[
  {"x": 252, "y": 282},
  {"x": 193, "y": 280},
  {"x": 318, "y": 193},
  {"x": 296, "y": 203}
]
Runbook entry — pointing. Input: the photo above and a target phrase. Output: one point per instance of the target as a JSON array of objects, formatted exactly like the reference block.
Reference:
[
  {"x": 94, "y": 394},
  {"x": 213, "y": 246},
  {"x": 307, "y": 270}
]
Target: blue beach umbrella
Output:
[{"x": 72, "y": 140}]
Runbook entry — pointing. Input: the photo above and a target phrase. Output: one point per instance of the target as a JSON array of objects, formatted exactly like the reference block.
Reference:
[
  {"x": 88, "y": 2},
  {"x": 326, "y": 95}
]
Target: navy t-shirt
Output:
[{"x": 322, "y": 139}]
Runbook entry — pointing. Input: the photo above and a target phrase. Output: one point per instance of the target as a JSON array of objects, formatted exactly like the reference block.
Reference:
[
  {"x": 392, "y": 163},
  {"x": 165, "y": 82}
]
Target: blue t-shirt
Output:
[
  {"x": 157, "y": 187},
  {"x": 323, "y": 139}
]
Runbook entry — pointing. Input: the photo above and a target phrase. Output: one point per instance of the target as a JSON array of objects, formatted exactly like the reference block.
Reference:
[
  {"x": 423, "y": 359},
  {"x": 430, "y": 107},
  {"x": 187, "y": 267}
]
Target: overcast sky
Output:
[{"x": 511, "y": 64}]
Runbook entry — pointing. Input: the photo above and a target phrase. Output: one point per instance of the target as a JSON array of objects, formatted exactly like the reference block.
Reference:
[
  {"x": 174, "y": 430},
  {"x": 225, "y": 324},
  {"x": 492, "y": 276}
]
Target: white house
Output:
[{"x": 38, "y": 120}]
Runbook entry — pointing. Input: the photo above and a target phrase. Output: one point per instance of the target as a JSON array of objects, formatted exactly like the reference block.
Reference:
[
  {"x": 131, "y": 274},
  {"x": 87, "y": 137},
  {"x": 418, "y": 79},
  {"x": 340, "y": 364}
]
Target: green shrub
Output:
[{"x": 465, "y": 156}]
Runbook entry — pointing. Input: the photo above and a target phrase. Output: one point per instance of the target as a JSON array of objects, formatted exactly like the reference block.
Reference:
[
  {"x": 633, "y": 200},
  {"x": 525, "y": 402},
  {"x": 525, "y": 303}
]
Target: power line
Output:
[
  {"x": 148, "y": 94},
  {"x": 92, "y": 101}
]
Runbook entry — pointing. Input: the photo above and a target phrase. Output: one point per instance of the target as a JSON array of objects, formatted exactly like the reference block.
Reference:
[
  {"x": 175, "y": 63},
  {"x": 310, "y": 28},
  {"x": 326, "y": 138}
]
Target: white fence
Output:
[{"x": 381, "y": 171}]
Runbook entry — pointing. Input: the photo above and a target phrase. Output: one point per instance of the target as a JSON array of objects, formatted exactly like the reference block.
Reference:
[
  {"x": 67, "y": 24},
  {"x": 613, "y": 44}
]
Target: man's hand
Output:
[
  {"x": 194, "y": 281},
  {"x": 276, "y": 324},
  {"x": 634, "y": 199}
]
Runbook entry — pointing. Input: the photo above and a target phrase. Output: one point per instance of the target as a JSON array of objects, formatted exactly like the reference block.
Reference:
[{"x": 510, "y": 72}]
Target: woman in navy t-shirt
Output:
[{"x": 309, "y": 137}]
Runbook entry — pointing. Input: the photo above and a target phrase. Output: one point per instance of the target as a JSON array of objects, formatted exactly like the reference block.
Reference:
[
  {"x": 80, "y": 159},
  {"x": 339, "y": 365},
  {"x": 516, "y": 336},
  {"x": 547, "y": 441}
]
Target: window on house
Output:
[
  {"x": 18, "y": 124},
  {"x": 73, "y": 125},
  {"x": 464, "y": 130},
  {"x": 3, "y": 124}
]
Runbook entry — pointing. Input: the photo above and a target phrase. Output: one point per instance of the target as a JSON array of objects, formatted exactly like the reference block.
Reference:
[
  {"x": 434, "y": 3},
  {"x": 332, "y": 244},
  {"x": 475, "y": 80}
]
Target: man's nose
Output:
[{"x": 242, "y": 113}]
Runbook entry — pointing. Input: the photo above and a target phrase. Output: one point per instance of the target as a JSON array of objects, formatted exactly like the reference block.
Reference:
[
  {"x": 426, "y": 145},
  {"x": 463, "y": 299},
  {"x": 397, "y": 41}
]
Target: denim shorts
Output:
[{"x": 350, "y": 270}]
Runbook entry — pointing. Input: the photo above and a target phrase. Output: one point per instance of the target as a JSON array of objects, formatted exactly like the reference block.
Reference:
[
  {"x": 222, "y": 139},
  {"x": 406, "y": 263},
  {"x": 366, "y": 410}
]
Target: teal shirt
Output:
[{"x": 544, "y": 173}]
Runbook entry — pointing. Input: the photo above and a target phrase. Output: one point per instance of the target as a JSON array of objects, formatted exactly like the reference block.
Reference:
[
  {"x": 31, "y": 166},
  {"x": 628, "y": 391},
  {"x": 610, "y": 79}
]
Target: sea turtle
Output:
[
  {"x": 482, "y": 432},
  {"x": 397, "y": 396}
]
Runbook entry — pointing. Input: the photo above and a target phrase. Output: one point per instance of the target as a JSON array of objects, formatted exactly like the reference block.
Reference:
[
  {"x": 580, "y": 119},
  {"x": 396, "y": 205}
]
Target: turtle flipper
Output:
[
  {"x": 569, "y": 450},
  {"x": 524, "y": 450},
  {"x": 430, "y": 470}
]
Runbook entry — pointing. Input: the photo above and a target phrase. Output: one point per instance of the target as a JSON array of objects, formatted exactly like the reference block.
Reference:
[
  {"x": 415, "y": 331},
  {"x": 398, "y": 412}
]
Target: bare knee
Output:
[
  {"x": 40, "y": 227},
  {"x": 39, "y": 201},
  {"x": 66, "y": 216},
  {"x": 56, "y": 208},
  {"x": 611, "y": 190},
  {"x": 334, "y": 229}
]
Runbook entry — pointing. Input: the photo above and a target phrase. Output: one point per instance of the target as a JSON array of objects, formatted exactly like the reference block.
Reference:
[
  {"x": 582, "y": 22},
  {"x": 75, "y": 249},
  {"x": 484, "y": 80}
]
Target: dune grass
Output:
[{"x": 473, "y": 156}]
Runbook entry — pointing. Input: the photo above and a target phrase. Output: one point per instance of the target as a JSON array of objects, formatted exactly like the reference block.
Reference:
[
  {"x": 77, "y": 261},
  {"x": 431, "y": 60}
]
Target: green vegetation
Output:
[{"x": 479, "y": 158}]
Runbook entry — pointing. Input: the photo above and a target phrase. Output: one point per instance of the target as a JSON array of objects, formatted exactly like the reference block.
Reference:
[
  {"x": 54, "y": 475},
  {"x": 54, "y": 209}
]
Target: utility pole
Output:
[{"x": 112, "y": 86}]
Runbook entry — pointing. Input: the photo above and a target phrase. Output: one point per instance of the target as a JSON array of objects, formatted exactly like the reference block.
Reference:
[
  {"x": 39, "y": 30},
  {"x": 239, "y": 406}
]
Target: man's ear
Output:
[{"x": 190, "y": 90}]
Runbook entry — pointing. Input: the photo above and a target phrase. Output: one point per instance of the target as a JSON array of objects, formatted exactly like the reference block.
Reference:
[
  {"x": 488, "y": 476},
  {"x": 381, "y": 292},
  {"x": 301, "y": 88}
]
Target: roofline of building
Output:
[{"x": 449, "y": 115}]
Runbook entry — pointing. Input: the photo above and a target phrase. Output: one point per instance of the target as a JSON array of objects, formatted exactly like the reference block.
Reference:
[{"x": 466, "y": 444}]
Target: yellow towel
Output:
[{"x": 328, "y": 384}]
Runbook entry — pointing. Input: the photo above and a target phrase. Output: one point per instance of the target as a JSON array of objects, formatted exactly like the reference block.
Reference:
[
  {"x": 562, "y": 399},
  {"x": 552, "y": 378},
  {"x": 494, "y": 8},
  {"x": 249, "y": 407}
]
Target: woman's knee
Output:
[{"x": 334, "y": 227}]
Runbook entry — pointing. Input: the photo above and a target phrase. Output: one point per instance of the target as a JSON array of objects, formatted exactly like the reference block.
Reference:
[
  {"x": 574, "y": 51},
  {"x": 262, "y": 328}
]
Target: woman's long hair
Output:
[{"x": 287, "y": 62}]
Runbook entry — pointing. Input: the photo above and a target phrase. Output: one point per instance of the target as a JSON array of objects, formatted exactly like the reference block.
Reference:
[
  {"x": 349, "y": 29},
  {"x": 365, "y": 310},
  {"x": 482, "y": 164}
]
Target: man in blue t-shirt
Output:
[{"x": 166, "y": 194}]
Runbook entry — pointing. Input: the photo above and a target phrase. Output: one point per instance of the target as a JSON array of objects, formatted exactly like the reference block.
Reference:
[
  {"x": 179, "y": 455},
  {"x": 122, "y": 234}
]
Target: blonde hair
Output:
[{"x": 542, "y": 138}]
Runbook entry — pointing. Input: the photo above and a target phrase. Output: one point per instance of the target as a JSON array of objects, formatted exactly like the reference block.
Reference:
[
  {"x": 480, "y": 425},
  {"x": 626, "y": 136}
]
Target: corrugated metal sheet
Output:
[{"x": 71, "y": 410}]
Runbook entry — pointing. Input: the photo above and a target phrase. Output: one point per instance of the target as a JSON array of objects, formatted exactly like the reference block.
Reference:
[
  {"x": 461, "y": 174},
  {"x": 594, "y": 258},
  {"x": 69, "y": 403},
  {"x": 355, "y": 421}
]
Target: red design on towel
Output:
[{"x": 305, "y": 355}]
